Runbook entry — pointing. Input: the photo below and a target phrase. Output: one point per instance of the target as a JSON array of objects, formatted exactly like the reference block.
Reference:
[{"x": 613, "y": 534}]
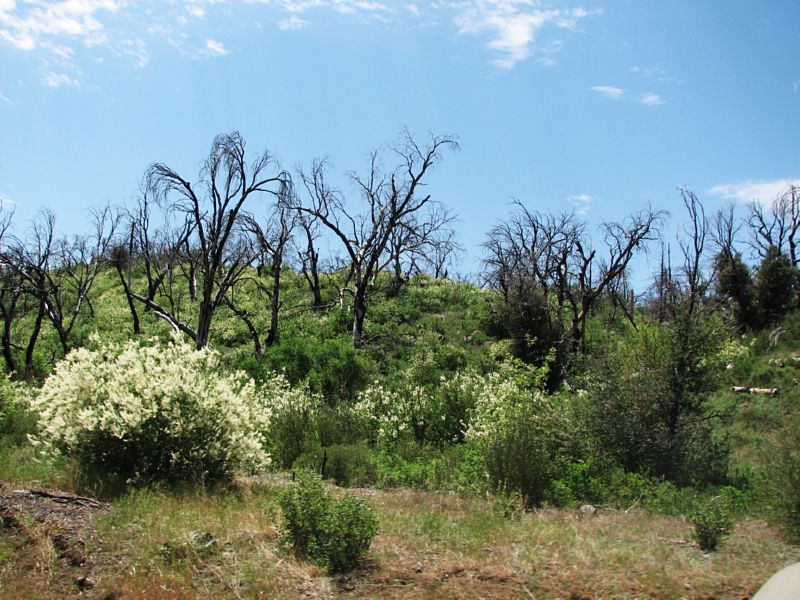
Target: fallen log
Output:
[
  {"x": 764, "y": 391},
  {"x": 742, "y": 389}
]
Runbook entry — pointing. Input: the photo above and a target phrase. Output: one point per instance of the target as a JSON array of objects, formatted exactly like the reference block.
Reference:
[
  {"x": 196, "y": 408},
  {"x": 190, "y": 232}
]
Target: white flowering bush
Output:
[
  {"x": 517, "y": 434},
  {"x": 431, "y": 414},
  {"x": 144, "y": 411},
  {"x": 294, "y": 423}
]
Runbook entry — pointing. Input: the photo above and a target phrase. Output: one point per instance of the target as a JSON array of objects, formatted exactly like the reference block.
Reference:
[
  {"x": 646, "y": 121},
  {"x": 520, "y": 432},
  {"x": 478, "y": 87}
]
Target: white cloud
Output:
[
  {"x": 512, "y": 25},
  {"x": 5, "y": 98},
  {"x": 31, "y": 25},
  {"x": 651, "y": 99},
  {"x": 215, "y": 48},
  {"x": 761, "y": 191},
  {"x": 609, "y": 91},
  {"x": 582, "y": 203},
  {"x": 6, "y": 202},
  {"x": 292, "y": 23},
  {"x": 57, "y": 80}
]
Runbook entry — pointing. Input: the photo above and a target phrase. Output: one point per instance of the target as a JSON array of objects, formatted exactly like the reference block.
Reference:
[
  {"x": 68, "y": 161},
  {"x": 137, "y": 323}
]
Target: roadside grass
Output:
[{"x": 226, "y": 544}]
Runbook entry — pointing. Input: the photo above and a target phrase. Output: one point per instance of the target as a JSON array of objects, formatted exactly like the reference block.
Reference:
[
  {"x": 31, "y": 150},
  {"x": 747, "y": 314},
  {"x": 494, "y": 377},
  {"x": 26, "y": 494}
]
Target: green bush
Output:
[
  {"x": 712, "y": 523},
  {"x": 16, "y": 418},
  {"x": 517, "y": 433},
  {"x": 349, "y": 465},
  {"x": 329, "y": 367},
  {"x": 333, "y": 533},
  {"x": 140, "y": 412},
  {"x": 784, "y": 480}
]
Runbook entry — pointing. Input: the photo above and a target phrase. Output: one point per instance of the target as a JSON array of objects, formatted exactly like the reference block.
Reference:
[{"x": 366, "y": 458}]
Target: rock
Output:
[
  {"x": 85, "y": 583},
  {"x": 784, "y": 585},
  {"x": 587, "y": 510}
]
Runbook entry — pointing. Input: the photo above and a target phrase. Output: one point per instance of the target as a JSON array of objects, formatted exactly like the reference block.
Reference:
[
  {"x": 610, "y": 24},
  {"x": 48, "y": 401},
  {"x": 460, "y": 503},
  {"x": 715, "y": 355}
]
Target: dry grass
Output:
[{"x": 431, "y": 545}]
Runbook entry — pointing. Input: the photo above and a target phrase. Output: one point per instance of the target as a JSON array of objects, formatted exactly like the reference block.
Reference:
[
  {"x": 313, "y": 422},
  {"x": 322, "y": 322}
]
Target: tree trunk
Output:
[
  {"x": 275, "y": 305},
  {"x": 131, "y": 305},
  {"x": 37, "y": 327},
  {"x": 360, "y": 311},
  {"x": 204, "y": 324},
  {"x": 8, "y": 355}
]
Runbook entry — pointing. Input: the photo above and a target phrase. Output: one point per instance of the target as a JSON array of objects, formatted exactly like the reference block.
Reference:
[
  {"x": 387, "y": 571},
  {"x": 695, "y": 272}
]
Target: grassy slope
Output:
[{"x": 431, "y": 544}]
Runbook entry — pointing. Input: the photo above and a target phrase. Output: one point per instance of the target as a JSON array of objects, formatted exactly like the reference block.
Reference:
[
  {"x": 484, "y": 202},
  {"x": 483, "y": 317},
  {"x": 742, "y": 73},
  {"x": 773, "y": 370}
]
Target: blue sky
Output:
[{"x": 598, "y": 107}]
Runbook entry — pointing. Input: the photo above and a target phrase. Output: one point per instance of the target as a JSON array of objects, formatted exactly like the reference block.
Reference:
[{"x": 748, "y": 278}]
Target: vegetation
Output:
[
  {"x": 201, "y": 362},
  {"x": 334, "y": 533}
]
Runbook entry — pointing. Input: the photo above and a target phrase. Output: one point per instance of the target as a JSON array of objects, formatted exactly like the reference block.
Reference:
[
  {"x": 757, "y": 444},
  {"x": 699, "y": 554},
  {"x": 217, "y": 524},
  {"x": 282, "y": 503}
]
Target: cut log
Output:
[{"x": 764, "y": 391}]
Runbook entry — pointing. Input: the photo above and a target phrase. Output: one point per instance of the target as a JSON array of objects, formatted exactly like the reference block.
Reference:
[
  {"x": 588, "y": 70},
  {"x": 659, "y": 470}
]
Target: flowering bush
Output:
[
  {"x": 432, "y": 414},
  {"x": 516, "y": 433},
  {"x": 144, "y": 412}
]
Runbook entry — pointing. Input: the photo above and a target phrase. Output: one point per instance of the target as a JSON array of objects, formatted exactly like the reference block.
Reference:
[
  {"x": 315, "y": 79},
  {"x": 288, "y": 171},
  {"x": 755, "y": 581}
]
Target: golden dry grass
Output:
[{"x": 431, "y": 545}]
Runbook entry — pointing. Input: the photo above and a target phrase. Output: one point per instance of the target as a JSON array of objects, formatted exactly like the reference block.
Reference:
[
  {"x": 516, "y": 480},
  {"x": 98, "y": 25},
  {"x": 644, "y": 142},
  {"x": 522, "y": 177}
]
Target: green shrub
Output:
[
  {"x": 349, "y": 465},
  {"x": 784, "y": 480},
  {"x": 712, "y": 523},
  {"x": 516, "y": 431},
  {"x": 137, "y": 412},
  {"x": 333, "y": 533},
  {"x": 16, "y": 418}
]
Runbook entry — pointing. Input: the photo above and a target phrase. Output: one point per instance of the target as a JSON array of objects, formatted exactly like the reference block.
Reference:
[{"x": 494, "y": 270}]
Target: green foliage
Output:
[
  {"x": 16, "y": 419},
  {"x": 785, "y": 479},
  {"x": 734, "y": 285},
  {"x": 333, "y": 533},
  {"x": 137, "y": 413},
  {"x": 643, "y": 402},
  {"x": 517, "y": 432},
  {"x": 329, "y": 367},
  {"x": 349, "y": 465},
  {"x": 712, "y": 523},
  {"x": 776, "y": 283}
]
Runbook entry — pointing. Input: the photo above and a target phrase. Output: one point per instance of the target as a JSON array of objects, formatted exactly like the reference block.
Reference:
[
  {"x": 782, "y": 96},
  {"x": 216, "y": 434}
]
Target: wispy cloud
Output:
[
  {"x": 651, "y": 99},
  {"x": 582, "y": 203},
  {"x": 617, "y": 93},
  {"x": 5, "y": 98},
  {"x": 609, "y": 91},
  {"x": 796, "y": 86},
  {"x": 215, "y": 48},
  {"x": 292, "y": 23},
  {"x": 57, "y": 80},
  {"x": 6, "y": 202},
  {"x": 512, "y": 25},
  {"x": 64, "y": 33},
  {"x": 658, "y": 74},
  {"x": 32, "y": 25},
  {"x": 761, "y": 191}
]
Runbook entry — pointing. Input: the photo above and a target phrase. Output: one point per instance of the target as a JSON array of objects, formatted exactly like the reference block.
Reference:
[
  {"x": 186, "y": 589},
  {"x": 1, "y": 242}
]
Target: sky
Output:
[{"x": 598, "y": 107}]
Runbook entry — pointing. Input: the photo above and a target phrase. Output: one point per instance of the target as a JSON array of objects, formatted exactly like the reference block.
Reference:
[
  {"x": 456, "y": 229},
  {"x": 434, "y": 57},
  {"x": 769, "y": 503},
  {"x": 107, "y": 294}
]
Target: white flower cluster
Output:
[
  {"x": 500, "y": 401},
  {"x": 389, "y": 413},
  {"x": 117, "y": 391},
  {"x": 487, "y": 403}
]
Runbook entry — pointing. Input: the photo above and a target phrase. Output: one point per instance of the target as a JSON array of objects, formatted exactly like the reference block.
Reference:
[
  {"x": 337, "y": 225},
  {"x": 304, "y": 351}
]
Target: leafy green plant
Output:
[
  {"x": 349, "y": 465},
  {"x": 140, "y": 412},
  {"x": 712, "y": 523},
  {"x": 333, "y": 533}
]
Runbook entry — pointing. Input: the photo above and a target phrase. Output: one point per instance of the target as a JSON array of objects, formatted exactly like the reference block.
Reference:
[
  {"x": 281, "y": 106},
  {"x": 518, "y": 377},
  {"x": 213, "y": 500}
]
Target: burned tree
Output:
[
  {"x": 212, "y": 217},
  {"x": 271, "y": 241},
  {"x": 392, "y": 200}
]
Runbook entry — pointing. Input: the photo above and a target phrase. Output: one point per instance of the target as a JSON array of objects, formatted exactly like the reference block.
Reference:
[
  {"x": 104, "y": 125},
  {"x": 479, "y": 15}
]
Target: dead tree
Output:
[
  {"x": 26, "y": 262},
  {"x": 309, "y": 255},
  {"x": 777, "y": 225},
  {"x": 213, "y": 216},
  {"x": 271, "y": 242},
  {"x": 392, "y": 199}
]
